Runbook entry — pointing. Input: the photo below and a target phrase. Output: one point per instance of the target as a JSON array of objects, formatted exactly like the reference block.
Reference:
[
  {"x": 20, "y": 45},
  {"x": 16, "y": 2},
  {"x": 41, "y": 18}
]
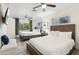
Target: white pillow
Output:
[
  {"x": 55, "y": 33},
  {"x": 66, "y": 35}
]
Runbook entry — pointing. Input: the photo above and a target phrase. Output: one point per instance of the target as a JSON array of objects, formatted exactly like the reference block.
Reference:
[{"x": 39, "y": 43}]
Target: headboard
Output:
[{"x": 66, "y": 28}]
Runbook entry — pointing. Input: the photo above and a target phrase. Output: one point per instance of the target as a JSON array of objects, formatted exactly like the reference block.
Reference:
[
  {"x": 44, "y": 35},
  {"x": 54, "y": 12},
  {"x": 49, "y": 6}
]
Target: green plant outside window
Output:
[{"x": 24, "y": 26}]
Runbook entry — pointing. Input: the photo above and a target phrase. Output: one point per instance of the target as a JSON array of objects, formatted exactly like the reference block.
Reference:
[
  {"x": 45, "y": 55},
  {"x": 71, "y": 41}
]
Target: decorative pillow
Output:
[
  {"x": 55, "y": 33},
  {"x": 67, "y": 35},
  {"x": 5, "y": 39}
]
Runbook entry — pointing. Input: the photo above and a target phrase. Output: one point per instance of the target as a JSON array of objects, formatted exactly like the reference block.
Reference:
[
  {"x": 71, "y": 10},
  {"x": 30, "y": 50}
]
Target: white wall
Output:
[{"x": 11, "y": 27}]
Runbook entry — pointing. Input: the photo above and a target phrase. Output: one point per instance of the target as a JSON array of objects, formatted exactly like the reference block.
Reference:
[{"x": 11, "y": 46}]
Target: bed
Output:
[
  {"x": 48, "y": 45},
  {"x": 26, "y": 35}
]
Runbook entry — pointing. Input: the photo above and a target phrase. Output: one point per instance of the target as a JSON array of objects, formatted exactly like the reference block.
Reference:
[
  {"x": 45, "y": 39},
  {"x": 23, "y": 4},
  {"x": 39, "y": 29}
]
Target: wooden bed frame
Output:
[{"x": 69, "y": 27}]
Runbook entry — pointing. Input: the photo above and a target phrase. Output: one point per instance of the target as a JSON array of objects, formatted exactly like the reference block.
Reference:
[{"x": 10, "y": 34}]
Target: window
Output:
[{"x": 24, "y": 25}]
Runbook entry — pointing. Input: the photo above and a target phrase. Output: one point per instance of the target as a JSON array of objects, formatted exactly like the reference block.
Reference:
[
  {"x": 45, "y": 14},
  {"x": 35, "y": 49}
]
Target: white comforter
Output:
[
  {"x": 50, "y": 45},
  {"x": 27, "y": 33}
]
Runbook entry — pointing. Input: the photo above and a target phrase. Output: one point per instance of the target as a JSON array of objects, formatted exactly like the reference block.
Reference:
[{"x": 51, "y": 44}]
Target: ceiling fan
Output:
[{"x": 43, "y": 5}]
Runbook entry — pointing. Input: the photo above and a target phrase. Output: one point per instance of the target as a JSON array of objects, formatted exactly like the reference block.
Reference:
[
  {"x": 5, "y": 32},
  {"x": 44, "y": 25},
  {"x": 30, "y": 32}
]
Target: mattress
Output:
[
  {"x": 51, "y": 45},
  {"x": 27, "y": 33}
]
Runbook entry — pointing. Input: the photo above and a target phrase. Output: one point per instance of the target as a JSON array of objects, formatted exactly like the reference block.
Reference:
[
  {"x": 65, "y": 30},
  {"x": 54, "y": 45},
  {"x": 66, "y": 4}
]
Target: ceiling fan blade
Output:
[
  {"x": 51, "y": 5},
  {"x": 37, "y": 6}
]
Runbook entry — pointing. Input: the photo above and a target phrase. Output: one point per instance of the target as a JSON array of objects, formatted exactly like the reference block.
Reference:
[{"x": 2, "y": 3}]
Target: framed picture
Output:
[
  {"x": 61, "y": 20},
  {"x": 65, "y": 19}
]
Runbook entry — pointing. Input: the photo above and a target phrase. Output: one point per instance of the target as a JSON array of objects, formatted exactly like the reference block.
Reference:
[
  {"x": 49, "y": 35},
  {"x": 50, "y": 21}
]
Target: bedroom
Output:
[{"x": 39, "y": 22}]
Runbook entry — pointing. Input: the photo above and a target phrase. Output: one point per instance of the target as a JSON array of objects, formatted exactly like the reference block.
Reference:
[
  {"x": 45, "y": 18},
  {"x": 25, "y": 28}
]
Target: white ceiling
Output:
[{"x": 22, "y": 9}]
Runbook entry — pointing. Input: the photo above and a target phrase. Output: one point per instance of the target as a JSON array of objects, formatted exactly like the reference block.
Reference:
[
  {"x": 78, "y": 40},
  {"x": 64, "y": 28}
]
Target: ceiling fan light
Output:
[{"x": 44, "y": 6}]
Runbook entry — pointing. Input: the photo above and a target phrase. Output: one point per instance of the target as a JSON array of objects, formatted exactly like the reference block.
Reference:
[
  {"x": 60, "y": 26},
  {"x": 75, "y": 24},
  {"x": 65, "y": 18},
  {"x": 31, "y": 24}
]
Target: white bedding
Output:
[
  {"x": 49, "y": 45},
  {"x": 27, "y": 33}
]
